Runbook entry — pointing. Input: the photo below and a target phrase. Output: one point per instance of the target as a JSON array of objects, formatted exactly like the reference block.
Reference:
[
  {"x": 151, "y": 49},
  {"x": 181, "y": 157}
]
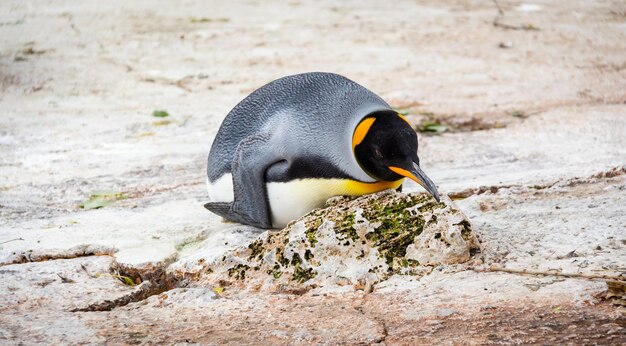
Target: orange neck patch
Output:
[
  {"x": 403, "y": 118},
  {"x": 361, "y": 131}
]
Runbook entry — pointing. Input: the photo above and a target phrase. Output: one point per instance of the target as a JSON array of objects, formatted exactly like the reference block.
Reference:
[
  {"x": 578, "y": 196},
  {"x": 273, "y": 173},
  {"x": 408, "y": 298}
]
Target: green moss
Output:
[
  {"x": 270, "y": 238},
  {"x": 280, "y": 257},
  {"x": 346, "y": 226},
  {"x": 257, "y": 249},
  {"x": 405, "y": 263},
  {"x": 398, "y": 226},
  {"x": 393, "y": 240},
  {"x": 302, "y": 275},
  {"x": 308, "y": 255},
  {"x": 296, "y": 260},
  {"x": 377, "y": 210},
  {"x": 238, "y": 271},
  {"x": 430, "y": 206},
  {"x": 311, "y": 233},
  {"x": 275, "y": 272}
]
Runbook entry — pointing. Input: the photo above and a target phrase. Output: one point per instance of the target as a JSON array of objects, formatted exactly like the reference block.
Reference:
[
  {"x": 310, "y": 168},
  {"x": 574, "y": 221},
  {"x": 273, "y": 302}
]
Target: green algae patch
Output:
[
  {"x": 275, "y": 272},
  {"x": 160, "y": 113},
  {"x": 394, "y": 236},
  {"x": 302, "y": 275},
  {"x": 102, "y": 199},
  {"x": 310, "y": 234},
  {"x": 398, "y": 225},
  {"x": 345, "y": 226},
  {"x": 238, "y": 272},
  {"x": 256, "y": 248},
  {"x": 430, "y": 206}
]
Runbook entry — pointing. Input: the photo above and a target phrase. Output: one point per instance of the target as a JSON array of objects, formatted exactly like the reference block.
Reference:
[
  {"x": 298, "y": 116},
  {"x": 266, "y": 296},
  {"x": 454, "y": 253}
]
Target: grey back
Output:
[{"x": 306, "y": 114}]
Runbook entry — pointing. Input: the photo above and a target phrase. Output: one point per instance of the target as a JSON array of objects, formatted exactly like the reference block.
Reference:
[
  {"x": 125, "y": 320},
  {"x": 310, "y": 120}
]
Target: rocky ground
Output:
[{"x": 530, "y": 109}]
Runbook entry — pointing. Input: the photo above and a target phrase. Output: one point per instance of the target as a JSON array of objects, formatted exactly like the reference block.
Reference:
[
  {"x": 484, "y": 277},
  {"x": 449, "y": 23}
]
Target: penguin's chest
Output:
[{"x": 290, "y": 200}]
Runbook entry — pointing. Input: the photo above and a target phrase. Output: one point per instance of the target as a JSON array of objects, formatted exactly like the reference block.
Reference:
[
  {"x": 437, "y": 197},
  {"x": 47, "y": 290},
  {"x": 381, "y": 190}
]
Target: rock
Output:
[
  {"x": 351, "y": 241},
  {"x": 506, "y": 45}
]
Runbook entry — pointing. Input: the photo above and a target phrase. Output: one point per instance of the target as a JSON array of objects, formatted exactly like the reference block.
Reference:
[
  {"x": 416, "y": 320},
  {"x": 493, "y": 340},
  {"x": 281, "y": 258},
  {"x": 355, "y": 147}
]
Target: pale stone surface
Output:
[
  {"x": 37, "y": 298},
  {"x": 532, "y": 126}
]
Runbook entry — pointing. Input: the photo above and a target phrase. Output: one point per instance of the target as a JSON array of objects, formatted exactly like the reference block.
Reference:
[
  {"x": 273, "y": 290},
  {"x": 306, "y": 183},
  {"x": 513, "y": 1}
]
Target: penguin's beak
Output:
[{"x": 416, "y": 174}]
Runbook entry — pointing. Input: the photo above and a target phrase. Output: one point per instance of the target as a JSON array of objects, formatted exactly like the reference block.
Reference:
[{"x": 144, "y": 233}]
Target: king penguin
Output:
[{"x": 301, "y": 139}]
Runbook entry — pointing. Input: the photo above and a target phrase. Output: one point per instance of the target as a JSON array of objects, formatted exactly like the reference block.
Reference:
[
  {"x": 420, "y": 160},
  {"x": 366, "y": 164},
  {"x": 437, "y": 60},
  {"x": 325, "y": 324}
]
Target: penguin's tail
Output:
[{"x": 223, "y": 209}]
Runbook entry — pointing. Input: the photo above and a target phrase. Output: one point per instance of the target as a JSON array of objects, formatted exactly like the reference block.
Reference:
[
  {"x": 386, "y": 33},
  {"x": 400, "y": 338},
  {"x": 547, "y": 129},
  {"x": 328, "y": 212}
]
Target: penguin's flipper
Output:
[
  {"x": 223, "y": 209},
  {"x": 252, "y": 158}
]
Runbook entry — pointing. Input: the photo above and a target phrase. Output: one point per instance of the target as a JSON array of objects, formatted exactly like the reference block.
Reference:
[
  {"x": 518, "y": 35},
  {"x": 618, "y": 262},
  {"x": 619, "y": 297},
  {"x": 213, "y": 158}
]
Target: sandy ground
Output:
[{"x": 535, "y": 155}]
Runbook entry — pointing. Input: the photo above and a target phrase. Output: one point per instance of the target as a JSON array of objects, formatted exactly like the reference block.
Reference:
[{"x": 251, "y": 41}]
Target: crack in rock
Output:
[
  {"x": 141, "y": 292},
  {"x": 607, "y": 174},
  {"x": 152, "y": 279},
  {"x": 47, "y": 255}
]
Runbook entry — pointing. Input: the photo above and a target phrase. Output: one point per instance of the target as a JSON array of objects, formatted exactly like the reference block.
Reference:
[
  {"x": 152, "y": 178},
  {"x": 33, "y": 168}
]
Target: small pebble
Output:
[
  {"x": 445, "y": 312},
  {"x": 506, "y": 45}
]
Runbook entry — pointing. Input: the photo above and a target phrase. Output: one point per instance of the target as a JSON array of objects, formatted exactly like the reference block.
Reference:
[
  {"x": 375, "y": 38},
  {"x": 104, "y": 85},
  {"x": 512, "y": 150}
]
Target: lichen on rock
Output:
[{"x": 351, "y": 241}]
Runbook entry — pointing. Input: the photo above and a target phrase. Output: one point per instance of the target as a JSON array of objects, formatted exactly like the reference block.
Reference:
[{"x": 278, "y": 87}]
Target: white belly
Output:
[
  {"x": 291, "y": 200},
  {"x": 221, "y": 190}
]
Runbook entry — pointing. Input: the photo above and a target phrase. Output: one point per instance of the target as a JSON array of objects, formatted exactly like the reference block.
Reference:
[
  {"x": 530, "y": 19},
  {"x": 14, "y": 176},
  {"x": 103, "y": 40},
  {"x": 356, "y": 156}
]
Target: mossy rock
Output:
[{"x": 357, "y": 241}]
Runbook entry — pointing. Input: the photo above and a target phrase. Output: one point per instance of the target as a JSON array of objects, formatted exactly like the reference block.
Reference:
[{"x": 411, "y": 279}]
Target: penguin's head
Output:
[{"x": 385, "y": 146}]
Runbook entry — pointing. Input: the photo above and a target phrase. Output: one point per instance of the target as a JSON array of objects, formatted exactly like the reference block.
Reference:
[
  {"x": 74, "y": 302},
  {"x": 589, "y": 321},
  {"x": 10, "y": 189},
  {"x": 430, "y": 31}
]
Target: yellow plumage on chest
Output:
[{"x": 291, "y": 200}]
